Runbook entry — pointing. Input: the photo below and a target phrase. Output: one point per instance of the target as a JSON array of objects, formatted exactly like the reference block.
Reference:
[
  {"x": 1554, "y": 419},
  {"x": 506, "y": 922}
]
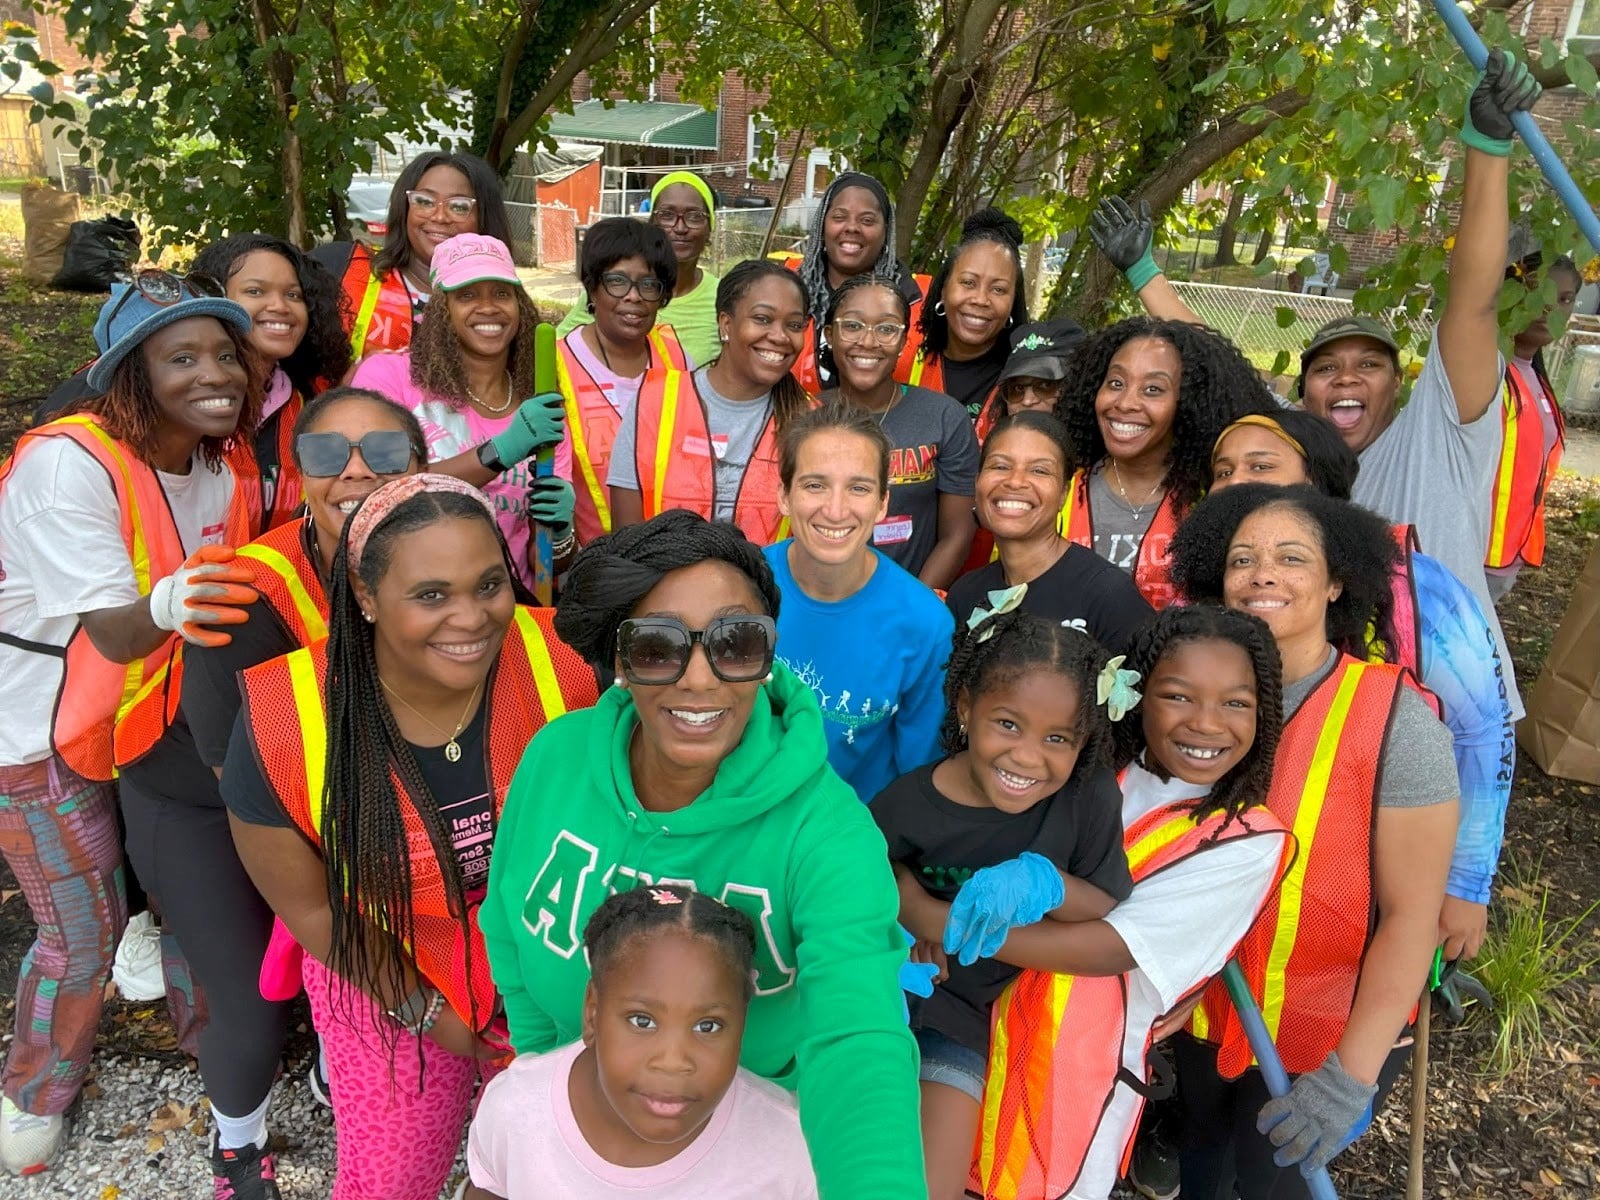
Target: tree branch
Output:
[{"x": 1555, "y": 74}]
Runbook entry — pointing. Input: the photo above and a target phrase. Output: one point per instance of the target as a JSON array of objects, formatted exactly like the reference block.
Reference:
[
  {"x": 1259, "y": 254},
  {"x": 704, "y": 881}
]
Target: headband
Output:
[
  {"x": 694, "y": 181},
  {"x": 1262, "y": 421},
  {"x": 375, "y": 509}
]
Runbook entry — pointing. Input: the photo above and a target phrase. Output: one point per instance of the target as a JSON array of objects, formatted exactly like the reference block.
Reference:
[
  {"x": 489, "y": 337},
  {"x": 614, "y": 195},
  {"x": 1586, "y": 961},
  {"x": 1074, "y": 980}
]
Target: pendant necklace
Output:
[
  {"x": 452, "y": 749},
  {"x": 1137, "y": 509}
]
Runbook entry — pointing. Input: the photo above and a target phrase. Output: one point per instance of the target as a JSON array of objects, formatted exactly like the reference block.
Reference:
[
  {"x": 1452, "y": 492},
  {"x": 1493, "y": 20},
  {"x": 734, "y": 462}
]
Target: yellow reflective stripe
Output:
[
  {"x": 994, "y": 1088},
  {"x": 1019, "y": 1147},
  {"x": 580, "y": 445},
  {"x": 1158, "y": 839},
  {"x": 1064, "y": 519},
  {"x": 783, "y": 530},
  {"x": 313, "y": 730},
  {"x": 1292, "y": 892},
  {"x": 369, "y": 305},
  {"x": 918, "y": 365},
  {"x": 668, "y": 422},
  {"x": 544, "y": 670},
  {"x": 1198, "y": 1025},
  {"x": 1505, "y": 478},
  {"x": 310, "y": 616}
]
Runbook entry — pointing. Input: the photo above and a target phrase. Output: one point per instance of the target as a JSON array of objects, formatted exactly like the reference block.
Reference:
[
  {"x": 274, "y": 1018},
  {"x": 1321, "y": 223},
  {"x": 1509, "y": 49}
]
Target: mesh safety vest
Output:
[
  {"x": 592, "y": 424},
  {"x": 286, "y": 494},
  {"x": 1516, "y": 510},
  {"x": 536, "y": 678},
  {"x": 107, "y": 714},
  {"x": 1056, "y": 1052},
  {"x": 287, "y": 580},
  {"x": 1150, "y": 569},
  {"x": 676, "y": 463},
  {"x": 805, "y": 367},
  {"x": 379, "y": 308},
  {"x": 1302, "y": 957}
]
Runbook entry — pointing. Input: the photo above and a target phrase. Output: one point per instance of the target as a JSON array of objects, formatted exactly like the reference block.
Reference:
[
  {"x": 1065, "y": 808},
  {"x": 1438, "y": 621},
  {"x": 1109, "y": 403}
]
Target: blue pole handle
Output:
[
  {"x": 1555, "y": 171},
  {"x": 1273, "y": 1075}
]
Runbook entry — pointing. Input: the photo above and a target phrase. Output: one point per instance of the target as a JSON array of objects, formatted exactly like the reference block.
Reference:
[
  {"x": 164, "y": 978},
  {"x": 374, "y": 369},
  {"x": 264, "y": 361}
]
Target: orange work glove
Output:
[{"x": 207, "y": 590}]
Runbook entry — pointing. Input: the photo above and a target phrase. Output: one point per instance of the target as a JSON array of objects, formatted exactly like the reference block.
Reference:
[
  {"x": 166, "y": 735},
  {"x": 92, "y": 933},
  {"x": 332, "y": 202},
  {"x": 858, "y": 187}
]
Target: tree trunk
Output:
[
  {"x": 1264, "y": 246},
  {"x": 280, "y": 69},
  {"x": 1228, "y": 232}
]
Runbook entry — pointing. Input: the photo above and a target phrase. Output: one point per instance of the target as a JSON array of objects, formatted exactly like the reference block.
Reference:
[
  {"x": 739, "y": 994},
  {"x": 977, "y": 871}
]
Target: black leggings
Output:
[
  {"x": 1221, "y": 1149},
  {"x": 184, "y": 854}
]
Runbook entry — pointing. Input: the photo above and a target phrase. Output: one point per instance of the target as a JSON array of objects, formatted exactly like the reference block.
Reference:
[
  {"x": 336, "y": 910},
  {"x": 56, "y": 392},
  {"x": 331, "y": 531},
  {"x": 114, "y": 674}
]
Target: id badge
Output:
[{"x": 891, "y": 531}]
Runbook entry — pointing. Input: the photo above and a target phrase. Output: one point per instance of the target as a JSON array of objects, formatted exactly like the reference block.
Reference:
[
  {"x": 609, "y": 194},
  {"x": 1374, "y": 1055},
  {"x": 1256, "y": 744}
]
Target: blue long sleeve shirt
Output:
[{"x": 875, "y": 662}]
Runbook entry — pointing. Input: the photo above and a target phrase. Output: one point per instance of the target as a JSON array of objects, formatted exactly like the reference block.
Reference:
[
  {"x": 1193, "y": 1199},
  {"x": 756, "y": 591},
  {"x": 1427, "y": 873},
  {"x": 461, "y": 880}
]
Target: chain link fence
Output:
[
  {"x": 1573, "y": 364},
  {"x": 1262, "y": 323},
  {"x": 737, "y": 234},
  {"x": 543, "y": 235}
]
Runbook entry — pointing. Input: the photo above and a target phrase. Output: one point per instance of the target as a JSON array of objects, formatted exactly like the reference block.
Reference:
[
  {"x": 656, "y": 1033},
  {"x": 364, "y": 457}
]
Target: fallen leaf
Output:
[
  {"x": 110, "y": 1192},
  {"x": 1549, "y": 1177},
  {"x": 7, "y": 893},
  {"x": 154, "y": 1143},
  {"x": 128, "y": 1130},
  {"x": 171, "y": 1115}
]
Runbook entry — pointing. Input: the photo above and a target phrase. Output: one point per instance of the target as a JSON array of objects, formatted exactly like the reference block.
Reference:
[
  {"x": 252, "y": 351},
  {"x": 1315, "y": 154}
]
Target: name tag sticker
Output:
[
  {"x": 697, "y": 446},
  {"x": 891, "y": 531},
  {"x": 719, "y": 443}
]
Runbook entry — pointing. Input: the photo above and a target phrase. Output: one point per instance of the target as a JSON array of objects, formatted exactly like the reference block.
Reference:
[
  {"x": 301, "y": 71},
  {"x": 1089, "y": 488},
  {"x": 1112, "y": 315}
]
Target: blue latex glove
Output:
[
  {"x": 996, "y": 900},
  {"x": 539, "y": 421},
  {"x": 916, "y": 977}
]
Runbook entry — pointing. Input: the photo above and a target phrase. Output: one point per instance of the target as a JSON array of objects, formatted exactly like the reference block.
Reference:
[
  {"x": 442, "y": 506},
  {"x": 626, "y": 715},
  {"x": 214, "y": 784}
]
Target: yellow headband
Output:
[
  {"x": 1262, "y": 421},
  {"x": 694, "y": 181}
]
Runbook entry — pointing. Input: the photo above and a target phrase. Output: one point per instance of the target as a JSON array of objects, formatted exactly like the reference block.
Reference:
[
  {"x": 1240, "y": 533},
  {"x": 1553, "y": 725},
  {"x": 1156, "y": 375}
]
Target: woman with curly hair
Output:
[
  {"x": 296, "y": 330},
  {"x": 977, "y": 296},
  {"x": 468, "y": 377},
  {"x": 1144, "y": 405},
  {"x": 1366, "y": 778}
]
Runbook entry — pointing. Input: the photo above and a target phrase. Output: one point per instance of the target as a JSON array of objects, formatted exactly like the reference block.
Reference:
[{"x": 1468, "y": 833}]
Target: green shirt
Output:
[{"x": 693, "y": 318}]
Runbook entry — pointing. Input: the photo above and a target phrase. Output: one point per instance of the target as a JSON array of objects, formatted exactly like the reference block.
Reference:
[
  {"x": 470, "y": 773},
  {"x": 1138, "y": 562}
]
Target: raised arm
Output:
[
  {"x": 1126, "y": 238},
  {"x": 1469, "y": 327}
]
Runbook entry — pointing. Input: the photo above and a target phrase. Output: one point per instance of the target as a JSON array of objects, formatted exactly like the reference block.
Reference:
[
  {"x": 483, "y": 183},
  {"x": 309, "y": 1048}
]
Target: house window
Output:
[
  {"x": 1583, "y": 27},
  {"x": 761, "y": 146}
]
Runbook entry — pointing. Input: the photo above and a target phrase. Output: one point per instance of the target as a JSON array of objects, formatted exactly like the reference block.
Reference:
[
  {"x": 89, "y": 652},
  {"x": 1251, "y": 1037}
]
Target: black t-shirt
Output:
[
  {"x": 172, "y": 770},
  {"x": 1082, "y": 590},
  {"x": 970, "y": 382},
  {"x": 460, "y": 789},
  {"x": 1079, "y": 829},
  {"x": 211, "y": 695}
]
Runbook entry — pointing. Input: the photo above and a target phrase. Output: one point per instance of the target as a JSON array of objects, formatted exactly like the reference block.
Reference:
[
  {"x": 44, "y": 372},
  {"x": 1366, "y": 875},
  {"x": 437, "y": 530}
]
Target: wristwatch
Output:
[{"x": 489, "y": 458}]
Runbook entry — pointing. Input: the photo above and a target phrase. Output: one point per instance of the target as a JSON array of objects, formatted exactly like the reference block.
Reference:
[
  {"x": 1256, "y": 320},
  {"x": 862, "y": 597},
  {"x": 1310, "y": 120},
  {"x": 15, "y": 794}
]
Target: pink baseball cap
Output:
[{"x": 471, "y": 258}]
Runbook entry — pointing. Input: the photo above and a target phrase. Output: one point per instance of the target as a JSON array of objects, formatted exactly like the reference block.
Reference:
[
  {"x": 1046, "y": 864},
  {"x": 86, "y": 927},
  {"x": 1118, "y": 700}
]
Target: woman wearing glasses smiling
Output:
[
  {"x": 706, "y": 765},
  {"x": 437, "y": 196}
]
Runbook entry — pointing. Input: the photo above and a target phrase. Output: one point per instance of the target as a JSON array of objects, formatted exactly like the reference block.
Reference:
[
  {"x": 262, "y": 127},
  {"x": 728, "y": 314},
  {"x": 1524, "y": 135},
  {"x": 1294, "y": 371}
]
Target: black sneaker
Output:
[
  {"x": 1154, "y": 1172},
  {"x": 248, "y": 1173},
  {"x": 318, "y": 1083}
]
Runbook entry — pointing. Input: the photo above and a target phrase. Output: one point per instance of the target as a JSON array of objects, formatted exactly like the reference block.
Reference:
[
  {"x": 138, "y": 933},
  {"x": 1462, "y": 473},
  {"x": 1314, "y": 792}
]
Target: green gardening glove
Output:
[
  {"x": 1125, "y": 237},
  {"x": 538, "y": 422},
  {"x": 550, "y": 503},
  {"x": 1505, "y": 87}
]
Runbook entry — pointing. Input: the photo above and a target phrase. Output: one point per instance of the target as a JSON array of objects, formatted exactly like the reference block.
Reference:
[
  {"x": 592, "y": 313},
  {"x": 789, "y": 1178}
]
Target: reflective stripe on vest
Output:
[
  {"x": 288, "y": 582},
  {"x": 927, "y": 370},
  {"x": 536, "y": 678},
  {"x": 1516, "y": 513},
  {"x": 364, "y": 311},
  {"x": 384, "y": 302},
  {"x": 1302, "y": 956},
  {"x": 1150, "y": 569},
  {"x": 1057, "y": 1048}
]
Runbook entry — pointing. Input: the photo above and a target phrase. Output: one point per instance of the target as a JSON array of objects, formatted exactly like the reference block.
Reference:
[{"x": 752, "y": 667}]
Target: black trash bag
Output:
[{"x": 98, "y": 254}]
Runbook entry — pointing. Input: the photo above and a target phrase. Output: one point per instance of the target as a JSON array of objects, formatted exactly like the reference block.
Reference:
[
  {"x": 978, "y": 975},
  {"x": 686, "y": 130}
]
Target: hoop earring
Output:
[
  {"x": 938, "y": 308},
  {"x": 589, "y": 306}
]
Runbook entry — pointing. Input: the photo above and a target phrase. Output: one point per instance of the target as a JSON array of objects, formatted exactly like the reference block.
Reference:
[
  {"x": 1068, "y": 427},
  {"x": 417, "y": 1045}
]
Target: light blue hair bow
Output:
[
  {"x": 1114, "y": 688},
  {"x": 1000, "y": 602}
]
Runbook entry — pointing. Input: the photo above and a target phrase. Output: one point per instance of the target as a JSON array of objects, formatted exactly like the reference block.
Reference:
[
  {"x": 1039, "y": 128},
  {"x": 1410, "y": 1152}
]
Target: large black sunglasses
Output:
[
  {"x": 656, "y": 650},
  {"x": 164, "y": 289},
  {"x": 324, "y": 455}
]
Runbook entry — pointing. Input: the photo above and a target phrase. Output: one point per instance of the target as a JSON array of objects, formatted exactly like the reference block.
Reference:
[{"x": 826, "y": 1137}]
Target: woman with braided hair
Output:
[
  {"x": 364, "y": 780},
  {"x": 705, "y": 764}
]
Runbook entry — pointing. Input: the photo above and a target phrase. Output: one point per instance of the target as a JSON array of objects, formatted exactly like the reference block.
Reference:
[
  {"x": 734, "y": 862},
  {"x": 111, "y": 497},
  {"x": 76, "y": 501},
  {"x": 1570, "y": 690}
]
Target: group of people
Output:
[{"x": 933, "y": 702}]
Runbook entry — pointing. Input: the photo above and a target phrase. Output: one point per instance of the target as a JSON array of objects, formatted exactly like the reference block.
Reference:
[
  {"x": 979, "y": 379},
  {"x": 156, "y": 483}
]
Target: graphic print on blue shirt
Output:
[{"x": 843, "y": 710}]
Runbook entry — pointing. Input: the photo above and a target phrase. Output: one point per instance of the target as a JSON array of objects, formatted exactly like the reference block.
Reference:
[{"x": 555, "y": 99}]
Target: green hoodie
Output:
[{"x": 778, "y": 835}]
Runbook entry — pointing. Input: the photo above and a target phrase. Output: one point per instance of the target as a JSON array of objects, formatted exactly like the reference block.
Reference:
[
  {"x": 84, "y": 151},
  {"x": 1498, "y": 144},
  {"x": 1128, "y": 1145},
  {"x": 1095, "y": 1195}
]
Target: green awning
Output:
[{"x": 639, "y": 123}]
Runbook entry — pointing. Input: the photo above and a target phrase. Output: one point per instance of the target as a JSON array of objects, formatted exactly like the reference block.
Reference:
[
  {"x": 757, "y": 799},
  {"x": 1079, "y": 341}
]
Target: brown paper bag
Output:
[
  {"x": 1562, "y": 728},
  {"x": 47, "y": 216}
]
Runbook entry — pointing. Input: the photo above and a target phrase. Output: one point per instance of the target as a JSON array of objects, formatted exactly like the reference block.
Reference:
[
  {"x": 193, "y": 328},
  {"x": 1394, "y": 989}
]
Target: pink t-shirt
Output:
[
  {"x": 525, "y": 1144},
  {"x": 449, "y": 431}
]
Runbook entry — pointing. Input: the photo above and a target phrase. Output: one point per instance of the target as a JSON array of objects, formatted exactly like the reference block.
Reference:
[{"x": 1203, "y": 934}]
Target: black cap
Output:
[{"x": 1040, "y": 350}]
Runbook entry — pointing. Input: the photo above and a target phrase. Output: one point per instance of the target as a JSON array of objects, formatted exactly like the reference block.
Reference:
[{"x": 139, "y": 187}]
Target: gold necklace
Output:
[
  {"x": 485, "y": 405},
  {"x": 1138, "y": 509},
  {"x": 452, "y": 750}
]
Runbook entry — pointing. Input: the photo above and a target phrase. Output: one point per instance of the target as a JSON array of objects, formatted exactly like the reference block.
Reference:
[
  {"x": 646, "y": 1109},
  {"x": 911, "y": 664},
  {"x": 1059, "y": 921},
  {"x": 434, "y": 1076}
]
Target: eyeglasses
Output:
[
  {"x": 456, "y": 206},
  {"x": 164, "y": 289},
  {"x": 324, "y": 455},
  {"x": 655, "y": 650},
  {"x": 855, "y": 331},
  {"x": 689, "y": 218},
  {"x": 1045, "y": 389},
  {"x": 619, "y": 285}
]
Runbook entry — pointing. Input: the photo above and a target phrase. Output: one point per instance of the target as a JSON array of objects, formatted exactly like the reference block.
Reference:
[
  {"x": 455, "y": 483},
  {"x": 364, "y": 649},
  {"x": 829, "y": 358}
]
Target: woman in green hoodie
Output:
[{"x": 711, "y": 769}]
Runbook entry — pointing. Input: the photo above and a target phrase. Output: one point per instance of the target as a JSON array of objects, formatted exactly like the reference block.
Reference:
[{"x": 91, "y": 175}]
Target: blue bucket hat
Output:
[{"x": 126, "y": 321}]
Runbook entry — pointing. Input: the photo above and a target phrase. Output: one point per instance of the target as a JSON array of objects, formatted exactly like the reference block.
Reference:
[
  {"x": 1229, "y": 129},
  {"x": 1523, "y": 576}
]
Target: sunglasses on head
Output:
[
  {"x": 656, "y": 650},
  {"x": 456, "y": 206},
  {"x": 324, "y": 455},
  {"x": 164, "y": 289}
]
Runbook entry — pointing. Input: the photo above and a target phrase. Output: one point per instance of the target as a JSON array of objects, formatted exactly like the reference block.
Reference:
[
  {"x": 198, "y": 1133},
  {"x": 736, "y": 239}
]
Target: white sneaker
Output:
[
  {"x": 29, "y": 1144},
  {"x": 137, "y": 967}
]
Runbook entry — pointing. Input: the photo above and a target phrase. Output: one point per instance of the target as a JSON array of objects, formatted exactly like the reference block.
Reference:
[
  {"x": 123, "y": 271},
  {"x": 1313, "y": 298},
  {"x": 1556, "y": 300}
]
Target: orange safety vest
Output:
[
  {"x": 676, "y": 466},
  {"x": 379, "y": 307},
  {"x": 1302, "y": 957},
  {"x": 287, "y": 580},
  {"x": 286, "y": 493},
  {"x": 592, "y": 424},
  {"x": 1516, "y": 510},
  {"x": 805, "y": 367},
  {"x": 536, "y": 678},
  {"x": 1150, "y": 570},
  {"x": 1055, "y": 1055},
  {"x": 107, "y": 714}
]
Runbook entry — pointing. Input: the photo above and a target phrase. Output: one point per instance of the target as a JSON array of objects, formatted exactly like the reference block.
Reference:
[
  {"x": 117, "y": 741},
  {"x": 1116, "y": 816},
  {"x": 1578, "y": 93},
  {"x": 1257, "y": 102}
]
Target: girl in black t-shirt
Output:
[{"x": 1021, "y": 823}]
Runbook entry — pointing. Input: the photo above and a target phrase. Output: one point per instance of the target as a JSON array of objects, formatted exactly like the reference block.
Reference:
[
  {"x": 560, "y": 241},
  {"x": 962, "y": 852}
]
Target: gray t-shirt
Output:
[
  {"x": 1429, "y": 470},
  {"x": 932, "y": 452},
  {"x": 735, "y": 427},
  {"x": 1119, "y": 528},
  {"x": 1419, "y": 764}
]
